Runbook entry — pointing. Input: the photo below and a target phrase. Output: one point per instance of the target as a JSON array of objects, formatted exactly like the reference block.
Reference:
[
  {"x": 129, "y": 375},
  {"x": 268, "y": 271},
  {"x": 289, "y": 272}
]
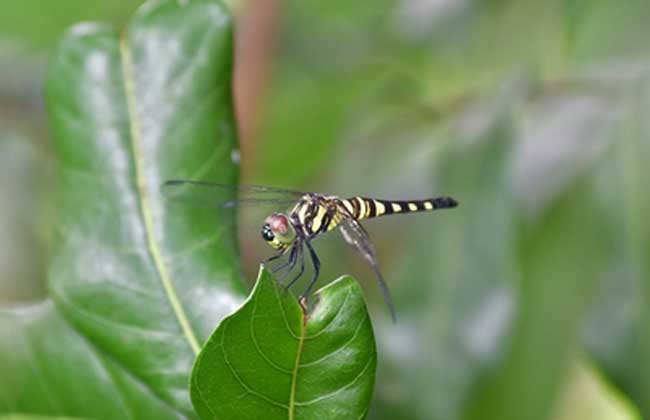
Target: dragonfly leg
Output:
[
  {"x": 293, "y": 259},
  {"x": 275, "y": 257},
  {"x": 316, "y": 262},
  {"x": 289, "y": 263},
  {"x": 301, "y": 256}
]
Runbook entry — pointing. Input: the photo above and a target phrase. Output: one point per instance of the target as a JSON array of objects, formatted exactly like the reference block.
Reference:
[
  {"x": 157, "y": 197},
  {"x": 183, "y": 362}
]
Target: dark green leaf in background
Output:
[
  {"x": 135, "y": 286},
  {"x": 268, "y": 361}
]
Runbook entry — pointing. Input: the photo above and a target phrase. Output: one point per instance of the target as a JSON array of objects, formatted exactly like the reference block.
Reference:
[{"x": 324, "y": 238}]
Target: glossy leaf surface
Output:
[
  {"x": 135, "y": 285},
  {"x": 268, "y": 361}
]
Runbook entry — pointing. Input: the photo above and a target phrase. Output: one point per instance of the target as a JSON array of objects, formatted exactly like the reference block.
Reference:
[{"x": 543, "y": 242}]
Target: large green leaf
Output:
[
  {"x": 49, "y": 368},
  {"x": 616, "y": 332},
  {"x": 136, "y": 286},
  {"x": 268, "y": 360}
]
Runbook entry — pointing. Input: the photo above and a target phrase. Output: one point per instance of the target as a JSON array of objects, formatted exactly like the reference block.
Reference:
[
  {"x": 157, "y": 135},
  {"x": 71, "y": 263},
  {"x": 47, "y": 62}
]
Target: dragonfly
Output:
[{"x": 307, "y": 216}]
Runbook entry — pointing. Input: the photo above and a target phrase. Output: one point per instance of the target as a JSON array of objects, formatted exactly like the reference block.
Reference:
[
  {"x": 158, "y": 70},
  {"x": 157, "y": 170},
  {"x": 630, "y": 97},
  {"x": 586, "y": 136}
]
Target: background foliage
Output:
[{"x": 529, "y": 301}]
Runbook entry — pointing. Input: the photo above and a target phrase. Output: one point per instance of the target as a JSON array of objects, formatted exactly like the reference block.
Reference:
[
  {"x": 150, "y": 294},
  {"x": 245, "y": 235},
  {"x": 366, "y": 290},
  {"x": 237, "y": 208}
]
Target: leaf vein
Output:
[
  {"x": 37, "y": 369},
  {"x": 344, "y": 345},
  {"x": 331, "y": 394},
  {"x": 108, "y": 321},
  {"x": 256, "y": 344},
  {"x": 206, "y": 166},
  {"x": 294, "y": 379},
  {"x": 284, "y": 316},
  {"x": 338, "y": 312},
  {"x": 199, "y": 361},
  {"x": 156, "y": 254},
  {"x": 92, "y": 346},
  {"x": 197, "y": 246},
  {"x": 208, "y": 97},
  {"x": 234, "y": 372}
]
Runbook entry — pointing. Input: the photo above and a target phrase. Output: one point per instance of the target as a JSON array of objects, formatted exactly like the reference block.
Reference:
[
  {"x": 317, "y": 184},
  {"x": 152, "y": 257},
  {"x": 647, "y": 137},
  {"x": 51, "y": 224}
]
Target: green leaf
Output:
[
  {"x": 557, "y": 283},
  {"x": 268, "y": 360},
  {"x": 135, "y": 285},
  {"x": 616, "y": 331},
  {"x": 49, "y": 368},
  {"x": 589, "y": 396}
]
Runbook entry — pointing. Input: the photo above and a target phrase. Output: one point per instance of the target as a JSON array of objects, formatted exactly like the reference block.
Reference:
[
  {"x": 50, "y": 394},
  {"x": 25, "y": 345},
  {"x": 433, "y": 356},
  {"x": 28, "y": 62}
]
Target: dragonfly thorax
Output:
[{"x": 278, "y": 231}]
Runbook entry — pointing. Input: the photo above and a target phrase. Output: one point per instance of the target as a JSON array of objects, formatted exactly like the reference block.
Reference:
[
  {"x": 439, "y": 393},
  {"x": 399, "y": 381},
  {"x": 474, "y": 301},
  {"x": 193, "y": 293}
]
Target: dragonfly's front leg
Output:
[
  {"x": 301, "y": 256},
  {"x": 293, "y": 259},
  {"x": 275, "y": 257},
  {"x": 290, "y": 262}
]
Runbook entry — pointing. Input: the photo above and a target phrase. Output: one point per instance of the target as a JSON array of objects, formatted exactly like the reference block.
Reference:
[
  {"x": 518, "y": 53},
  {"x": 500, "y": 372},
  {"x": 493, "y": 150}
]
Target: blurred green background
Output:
[{"x": 531, "y": 300}]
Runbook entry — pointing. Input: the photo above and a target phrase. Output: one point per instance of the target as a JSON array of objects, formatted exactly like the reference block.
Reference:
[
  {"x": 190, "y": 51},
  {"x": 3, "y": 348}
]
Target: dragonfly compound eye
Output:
[{"x": 267, "y": 233}]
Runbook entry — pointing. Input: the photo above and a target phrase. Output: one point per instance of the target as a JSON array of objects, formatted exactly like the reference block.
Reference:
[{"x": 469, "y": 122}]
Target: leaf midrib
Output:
[
  {"x": 296, "y": 366},
  {"x": 145, "y": 206}
]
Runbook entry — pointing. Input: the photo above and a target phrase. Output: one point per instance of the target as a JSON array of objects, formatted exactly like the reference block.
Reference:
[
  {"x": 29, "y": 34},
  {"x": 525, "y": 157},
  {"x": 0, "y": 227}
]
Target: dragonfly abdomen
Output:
[{"x": 366, "y": 208}]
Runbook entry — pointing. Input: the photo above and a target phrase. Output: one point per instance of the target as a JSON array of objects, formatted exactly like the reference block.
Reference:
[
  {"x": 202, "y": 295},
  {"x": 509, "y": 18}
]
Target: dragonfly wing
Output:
[
  {"x": 354, "y": 234},
  {"x": 211, "y": 194}
]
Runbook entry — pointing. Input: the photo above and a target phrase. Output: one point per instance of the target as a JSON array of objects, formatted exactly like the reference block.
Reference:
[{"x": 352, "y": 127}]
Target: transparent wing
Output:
[
  {"x": 212, "y": 194},
  {"x": 356, "y": 235}
]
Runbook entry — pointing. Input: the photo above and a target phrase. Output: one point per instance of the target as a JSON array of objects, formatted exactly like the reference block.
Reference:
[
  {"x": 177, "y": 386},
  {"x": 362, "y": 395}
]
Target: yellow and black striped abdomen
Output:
[{"x": 367, "y": 208}]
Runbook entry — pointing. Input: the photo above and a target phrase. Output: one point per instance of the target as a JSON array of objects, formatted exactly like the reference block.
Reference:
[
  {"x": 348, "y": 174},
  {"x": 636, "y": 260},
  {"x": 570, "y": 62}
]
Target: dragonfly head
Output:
[{"x": 278, "y": 231}]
